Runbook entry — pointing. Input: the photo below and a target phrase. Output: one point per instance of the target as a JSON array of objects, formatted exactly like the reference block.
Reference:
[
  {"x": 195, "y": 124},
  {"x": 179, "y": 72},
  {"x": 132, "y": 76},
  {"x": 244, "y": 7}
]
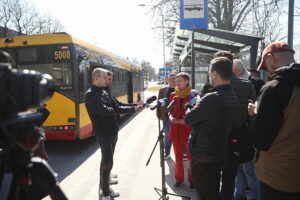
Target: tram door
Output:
[{"x": 129, "y": 87}]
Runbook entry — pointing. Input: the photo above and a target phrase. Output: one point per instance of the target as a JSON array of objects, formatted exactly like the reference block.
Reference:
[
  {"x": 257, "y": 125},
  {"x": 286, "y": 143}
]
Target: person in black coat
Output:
[
  {"x": 241, "y": 72},
  {"x": 212, "y": 120},
  {"x": 103, "y": 111}
]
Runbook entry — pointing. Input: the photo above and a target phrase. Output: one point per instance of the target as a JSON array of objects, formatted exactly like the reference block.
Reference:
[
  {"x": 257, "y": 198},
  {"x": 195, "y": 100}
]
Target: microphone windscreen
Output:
[
  {"x": 188, "y": 105},
  {"x": 151, "y": 99}
]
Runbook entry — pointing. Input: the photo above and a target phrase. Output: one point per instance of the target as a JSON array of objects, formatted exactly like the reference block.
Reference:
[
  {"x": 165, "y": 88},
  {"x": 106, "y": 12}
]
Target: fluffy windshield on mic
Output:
[
  {"x": 149, "y": 100},
  {"x": 188, "y": 105}
]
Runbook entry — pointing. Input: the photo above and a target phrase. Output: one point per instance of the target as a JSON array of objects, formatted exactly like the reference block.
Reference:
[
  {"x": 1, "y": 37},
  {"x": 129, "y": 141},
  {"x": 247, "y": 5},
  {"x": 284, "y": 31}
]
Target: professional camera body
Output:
[
  {"x": 21, "y": 90},
  {"x": 21, "y": 176}
]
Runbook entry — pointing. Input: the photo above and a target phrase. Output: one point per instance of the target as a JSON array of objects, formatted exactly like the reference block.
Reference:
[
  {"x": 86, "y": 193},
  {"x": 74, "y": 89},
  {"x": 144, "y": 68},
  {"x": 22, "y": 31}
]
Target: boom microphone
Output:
[
  {"x": 160, "y": 103},
  {"x": 149, "y": 100}
]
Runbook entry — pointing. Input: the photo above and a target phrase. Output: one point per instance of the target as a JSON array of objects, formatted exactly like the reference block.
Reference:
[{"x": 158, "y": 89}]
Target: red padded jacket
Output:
[{"x": 178, "y": 131}]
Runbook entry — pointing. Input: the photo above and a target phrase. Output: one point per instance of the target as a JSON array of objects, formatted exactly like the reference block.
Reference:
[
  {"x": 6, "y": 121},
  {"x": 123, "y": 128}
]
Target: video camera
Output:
[
  {"x": 21, "y": 175},
  {"x": 21, "y": 90}
]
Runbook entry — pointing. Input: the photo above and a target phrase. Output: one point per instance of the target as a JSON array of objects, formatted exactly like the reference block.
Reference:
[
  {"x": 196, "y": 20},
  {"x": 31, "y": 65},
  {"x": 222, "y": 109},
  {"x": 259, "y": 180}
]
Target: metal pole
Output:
[
  {"x": 193, "y": 61},
  {"x": 163, "y": 37},
  {"x": 291, "y": 23}
]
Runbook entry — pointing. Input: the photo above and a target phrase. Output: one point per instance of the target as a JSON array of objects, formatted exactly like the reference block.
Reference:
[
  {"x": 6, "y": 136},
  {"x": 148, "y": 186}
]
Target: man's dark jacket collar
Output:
[{"x": 221, "y": 87}]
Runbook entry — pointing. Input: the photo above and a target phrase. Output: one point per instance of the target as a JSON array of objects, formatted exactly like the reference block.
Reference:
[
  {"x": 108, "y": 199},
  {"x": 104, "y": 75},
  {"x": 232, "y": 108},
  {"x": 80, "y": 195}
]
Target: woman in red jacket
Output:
[{"x": 179, "y": 131}]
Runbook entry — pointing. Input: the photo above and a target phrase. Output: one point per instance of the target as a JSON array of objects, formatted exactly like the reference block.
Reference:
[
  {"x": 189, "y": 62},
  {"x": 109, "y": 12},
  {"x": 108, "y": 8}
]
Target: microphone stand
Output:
[{"x": 163, "y": 189}]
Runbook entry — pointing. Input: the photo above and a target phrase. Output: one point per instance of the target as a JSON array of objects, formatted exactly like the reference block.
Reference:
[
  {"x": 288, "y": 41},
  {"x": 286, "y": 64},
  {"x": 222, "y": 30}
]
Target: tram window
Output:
[
  {"x": 27, "y": 55},
  {"x": 60, "y": 72}
]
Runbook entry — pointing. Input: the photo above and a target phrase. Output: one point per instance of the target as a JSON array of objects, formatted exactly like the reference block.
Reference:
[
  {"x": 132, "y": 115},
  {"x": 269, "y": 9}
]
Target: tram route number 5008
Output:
[{"x": 58, "y": 55}]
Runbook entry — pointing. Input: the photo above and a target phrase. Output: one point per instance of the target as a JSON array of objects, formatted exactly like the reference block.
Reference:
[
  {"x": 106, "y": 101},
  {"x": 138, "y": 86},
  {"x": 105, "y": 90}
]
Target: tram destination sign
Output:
[{"x": 193, "y": 14}]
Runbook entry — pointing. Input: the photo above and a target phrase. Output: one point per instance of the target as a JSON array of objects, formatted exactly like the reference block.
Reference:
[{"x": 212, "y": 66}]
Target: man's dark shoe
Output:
[{"x": 177, "y": 186}]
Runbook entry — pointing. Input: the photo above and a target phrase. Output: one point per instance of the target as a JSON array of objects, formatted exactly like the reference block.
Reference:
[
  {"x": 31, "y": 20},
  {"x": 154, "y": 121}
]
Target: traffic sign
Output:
[
  {"x": 164, "y": 71},
  {"x": 193, "y": 14}
]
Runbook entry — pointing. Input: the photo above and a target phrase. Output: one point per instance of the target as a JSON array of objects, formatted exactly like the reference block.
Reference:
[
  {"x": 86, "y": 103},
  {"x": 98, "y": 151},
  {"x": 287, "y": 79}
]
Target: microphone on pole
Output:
[
  {"x": 149, "y": 100},
  {"x": 160, "y": 103}
]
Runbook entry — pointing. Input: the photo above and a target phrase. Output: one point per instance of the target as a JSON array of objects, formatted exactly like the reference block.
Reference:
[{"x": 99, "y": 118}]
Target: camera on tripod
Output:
[{"x": 21, "y": 176}]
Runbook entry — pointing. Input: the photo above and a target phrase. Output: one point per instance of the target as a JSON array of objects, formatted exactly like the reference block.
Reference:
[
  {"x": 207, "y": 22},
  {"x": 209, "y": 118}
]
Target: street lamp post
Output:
[{"x": 163, "y": 33}]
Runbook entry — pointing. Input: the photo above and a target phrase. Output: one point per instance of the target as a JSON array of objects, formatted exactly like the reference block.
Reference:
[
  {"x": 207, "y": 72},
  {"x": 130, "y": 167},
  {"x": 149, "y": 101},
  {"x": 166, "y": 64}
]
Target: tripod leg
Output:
[
  {"x": 152, "y": 152},
  {"x": 164, "y": 191}
]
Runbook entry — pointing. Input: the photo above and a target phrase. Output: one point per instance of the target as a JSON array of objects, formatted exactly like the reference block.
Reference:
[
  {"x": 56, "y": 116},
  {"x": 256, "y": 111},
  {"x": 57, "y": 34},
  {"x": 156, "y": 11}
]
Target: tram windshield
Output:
[
  {"x": 55, "y": 60},
  {"x": 60, "y": 72}
]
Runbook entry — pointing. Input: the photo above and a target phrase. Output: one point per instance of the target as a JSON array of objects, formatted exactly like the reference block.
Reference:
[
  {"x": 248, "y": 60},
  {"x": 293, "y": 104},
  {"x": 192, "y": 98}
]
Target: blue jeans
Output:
[
  {"x": 246, "y": 175},
  {"x": 167, "y": 141}
]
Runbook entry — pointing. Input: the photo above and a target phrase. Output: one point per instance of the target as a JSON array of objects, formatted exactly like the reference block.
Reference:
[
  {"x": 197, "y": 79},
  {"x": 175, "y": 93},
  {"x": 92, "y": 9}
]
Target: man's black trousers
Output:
[
  {"x": 107, "y": 145},
  {"x": 206, "y": 178}
]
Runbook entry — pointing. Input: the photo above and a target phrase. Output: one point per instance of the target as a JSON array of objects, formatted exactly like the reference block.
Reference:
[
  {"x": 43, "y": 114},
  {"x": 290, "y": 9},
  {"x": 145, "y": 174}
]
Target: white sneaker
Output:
[
  {"x": 106, "y": 198},
  {"x": 113, "y": 175},
  {"x": 114, "y": 193},
  {"x": 113, "y": 181}
]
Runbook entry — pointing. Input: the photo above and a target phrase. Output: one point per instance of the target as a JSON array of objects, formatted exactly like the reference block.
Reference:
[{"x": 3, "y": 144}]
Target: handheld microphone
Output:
[
  {"x": 160, "y": 103},
  {"x": 171, "y": 104},
  {"x": 149, "y": 100},
  {"x": 188, "y": 105}
]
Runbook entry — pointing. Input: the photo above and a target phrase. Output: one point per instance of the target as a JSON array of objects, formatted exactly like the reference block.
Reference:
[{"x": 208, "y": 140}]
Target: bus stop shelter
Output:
[{"x": 195, "y": 49}]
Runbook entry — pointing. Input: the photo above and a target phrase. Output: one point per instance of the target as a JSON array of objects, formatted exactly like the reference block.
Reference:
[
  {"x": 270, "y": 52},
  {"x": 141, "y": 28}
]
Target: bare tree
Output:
[
  {"x": 149, "y": 71},
  {"x": 21, "y": 16},
  {"x": 265, "y": 21},
  {"x": 297, "y": 11},
  {"x": 47, "y": 24},
  {"x": 5, "y": 15}
]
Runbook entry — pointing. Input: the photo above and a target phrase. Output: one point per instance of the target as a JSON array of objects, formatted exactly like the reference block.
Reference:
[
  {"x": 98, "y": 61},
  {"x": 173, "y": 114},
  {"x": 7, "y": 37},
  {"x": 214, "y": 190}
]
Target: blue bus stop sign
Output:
[
  {"x": 193, "y": 14},
  {"x": 164, "y": 72}
]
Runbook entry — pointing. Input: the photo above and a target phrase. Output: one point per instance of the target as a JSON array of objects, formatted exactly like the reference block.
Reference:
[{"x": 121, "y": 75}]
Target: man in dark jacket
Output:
[
  {"x": 161, "y": 113},
  {"x": 212, "y": 120},
  {"x": 108, "y": 88},
  {"x": 244, "y": 91},
  {"x": 277, "y": 125},
  {"x": 102, "y": 110},
  {"x": 245, "y": 174},
  {"x": 240, "y": 71}
]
